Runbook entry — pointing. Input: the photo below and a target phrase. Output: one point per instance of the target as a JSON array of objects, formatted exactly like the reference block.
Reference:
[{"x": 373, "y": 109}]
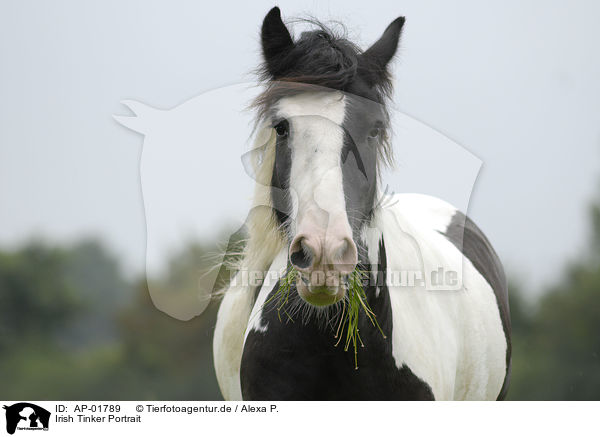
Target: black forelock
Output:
[{"x": 323, "y": 56}]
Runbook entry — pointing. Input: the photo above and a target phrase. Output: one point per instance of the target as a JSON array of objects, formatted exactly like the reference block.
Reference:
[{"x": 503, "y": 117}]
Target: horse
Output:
[{"x": 319, "y": 216}]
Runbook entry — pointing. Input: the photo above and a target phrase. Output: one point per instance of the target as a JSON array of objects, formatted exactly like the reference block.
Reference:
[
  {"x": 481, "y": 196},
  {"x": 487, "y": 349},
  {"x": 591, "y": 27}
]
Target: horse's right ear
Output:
[
  {"x": 374, "y": 61},
  {"x": 276, "y": 41}
]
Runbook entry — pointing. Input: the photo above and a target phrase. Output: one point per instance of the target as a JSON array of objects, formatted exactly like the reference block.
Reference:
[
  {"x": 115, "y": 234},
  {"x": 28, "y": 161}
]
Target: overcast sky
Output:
[{"x": 516, "y": 84}]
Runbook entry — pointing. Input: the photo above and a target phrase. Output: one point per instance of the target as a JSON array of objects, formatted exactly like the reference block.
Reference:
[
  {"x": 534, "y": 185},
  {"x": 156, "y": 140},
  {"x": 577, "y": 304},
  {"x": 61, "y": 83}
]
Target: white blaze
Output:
[{"x": 316, "y": 140}]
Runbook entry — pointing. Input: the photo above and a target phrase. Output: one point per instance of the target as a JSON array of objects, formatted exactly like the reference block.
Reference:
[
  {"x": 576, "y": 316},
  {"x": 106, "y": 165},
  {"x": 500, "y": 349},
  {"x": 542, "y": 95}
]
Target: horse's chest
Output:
[{"x": 296, "y": 361}]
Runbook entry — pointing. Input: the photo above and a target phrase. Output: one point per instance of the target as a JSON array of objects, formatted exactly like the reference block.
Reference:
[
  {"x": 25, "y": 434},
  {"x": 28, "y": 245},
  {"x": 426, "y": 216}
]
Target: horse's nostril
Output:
[
  {"x": 300, "y": 259},
  {"x": 301, "y": 254},
  {"x": 346, "y": 256}
]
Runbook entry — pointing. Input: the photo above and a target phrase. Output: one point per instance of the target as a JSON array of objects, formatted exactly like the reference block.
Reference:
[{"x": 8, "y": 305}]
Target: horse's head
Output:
[{"x": 325, "y": 103}]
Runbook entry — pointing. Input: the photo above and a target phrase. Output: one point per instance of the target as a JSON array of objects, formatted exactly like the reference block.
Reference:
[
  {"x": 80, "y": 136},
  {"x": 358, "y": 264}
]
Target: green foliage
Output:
[
  {"x": 556, "y": 344},
  {"x": 556, "y": 348},
  {"x": 71, "y": 327},
  {"x": 167, "y": 358},
  {"x": 36, "y": 296}
]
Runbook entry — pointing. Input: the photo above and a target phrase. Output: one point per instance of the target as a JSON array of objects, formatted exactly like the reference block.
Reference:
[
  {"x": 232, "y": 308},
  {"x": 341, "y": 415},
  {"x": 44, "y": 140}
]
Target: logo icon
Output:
[{"x": 26, "y": 416}]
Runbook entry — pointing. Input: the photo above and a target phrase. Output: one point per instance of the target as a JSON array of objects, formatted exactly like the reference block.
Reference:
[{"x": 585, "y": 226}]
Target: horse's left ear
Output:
[
  {"x": 276, "y": 41},
  {"x": 373, "y": 62}
]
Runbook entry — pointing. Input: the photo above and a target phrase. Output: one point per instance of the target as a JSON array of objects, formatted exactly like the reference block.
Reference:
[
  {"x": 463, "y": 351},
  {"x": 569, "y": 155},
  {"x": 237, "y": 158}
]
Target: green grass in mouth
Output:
[{"x": 352, "y": 304}]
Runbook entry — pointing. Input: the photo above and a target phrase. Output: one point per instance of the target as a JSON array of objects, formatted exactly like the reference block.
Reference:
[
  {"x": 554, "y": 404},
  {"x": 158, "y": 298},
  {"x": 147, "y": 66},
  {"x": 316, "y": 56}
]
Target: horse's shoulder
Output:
[
  {"x": 429, "y": 218},
  {"x": 432, "y": 214}
]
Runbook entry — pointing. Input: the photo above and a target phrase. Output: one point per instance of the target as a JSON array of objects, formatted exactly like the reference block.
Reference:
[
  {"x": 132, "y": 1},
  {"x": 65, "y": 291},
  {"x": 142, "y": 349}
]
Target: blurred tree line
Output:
[
  {"x": 73, "y": 327},
  {"x": 556, "y": 339}
]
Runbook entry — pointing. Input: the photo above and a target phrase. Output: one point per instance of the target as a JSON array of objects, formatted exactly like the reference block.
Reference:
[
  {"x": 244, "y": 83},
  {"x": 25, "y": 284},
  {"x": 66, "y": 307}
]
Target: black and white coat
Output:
[
  {"x": 442, "y": 345},
  {"x": 317, "y": 154}
]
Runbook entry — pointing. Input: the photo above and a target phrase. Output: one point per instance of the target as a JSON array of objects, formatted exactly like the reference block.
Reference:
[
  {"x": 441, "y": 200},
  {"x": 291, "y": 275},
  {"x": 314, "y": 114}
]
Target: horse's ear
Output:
[
  {"x": 276, "y": 40},
  {"x": 373, "y": 62}
]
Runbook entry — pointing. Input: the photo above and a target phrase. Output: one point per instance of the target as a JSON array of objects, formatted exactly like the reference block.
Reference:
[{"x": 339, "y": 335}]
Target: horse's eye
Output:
[
  {"x": 374, "y": 133},
  {"x": 281, "y": 128}
]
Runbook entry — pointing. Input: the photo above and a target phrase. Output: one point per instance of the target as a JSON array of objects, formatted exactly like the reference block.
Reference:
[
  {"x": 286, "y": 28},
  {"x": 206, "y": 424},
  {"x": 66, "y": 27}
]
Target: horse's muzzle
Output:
[{"x": 324, "y": 255}]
